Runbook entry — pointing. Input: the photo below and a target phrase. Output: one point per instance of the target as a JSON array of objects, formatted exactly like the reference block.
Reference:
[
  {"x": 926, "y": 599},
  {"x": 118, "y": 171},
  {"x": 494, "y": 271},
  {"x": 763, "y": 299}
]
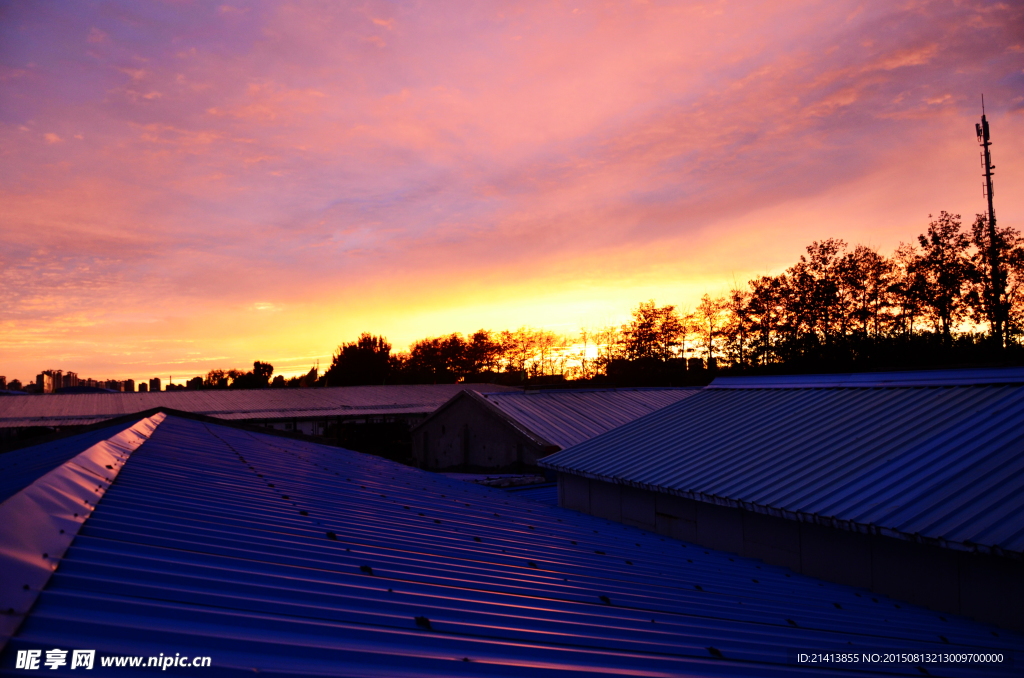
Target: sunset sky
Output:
[{"x": 190, "y": 185}]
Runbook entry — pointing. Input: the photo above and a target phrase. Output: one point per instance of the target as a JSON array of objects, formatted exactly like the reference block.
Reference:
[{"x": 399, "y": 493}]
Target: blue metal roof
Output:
[
  {"x": 939, "y": 462},
  {"x": 546, "y": 493},
  {"x": 286, "y": 557},
  {"x": 566, "y": 417},
  {"x": 20, "y": 468}
]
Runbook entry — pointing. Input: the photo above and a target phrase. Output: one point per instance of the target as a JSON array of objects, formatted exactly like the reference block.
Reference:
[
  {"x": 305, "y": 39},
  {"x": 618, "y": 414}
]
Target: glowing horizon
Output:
[{"x": 189, "y": 186}]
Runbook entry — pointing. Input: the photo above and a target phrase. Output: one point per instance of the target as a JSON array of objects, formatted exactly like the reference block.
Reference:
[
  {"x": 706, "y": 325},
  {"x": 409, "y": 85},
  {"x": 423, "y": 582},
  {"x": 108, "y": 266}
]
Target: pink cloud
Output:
[{"x": 383, "y": 160}]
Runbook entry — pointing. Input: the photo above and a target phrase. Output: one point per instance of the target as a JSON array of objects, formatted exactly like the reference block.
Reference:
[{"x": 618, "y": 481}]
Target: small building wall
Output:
[
  {"x": 327, "y": 426},
  {"x": 467, "y": 434},
  {"x": 986, "y": 587},
  {"x": 309, "y": 427}
]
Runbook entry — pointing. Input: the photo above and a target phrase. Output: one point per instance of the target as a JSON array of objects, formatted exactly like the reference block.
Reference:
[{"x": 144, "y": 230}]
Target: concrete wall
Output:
[
  {"x": 467, "y": 434},
  {"x": 987, "y": 588}
]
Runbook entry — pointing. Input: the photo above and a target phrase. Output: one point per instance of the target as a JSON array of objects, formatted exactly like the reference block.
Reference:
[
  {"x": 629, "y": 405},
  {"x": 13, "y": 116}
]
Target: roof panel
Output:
[
  {"x": 287, "y": 557},
  {"x": 271, "y": 403},
  {"x": 546, "y": 493},
  {"x": 568, "y": 417},
  {"x": 20, "y": 468},
  {"x": 945, "y": 462}
]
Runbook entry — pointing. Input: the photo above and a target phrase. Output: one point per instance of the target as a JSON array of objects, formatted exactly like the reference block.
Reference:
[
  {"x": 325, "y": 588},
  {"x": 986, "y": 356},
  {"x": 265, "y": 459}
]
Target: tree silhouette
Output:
[
  {"x": 908, "y": 290},
  {"x": 482, "y": 353},
  {"x": 518, "y": 349},
  {"x": 437, "y": 360},
  {"x": 710, "y": 317},
  {"x": 362, "y": 362},
  {"x": 994, "y": 291},
  {"x": 738, "y": 328},
  {"x": 216, "y": 379},
  {"x": 947, "y": 267},
  {"x": 869, "y": 278},
  {"x": 259, "y": 377},
  {"x": 763, "y": 312},
  {"x": 654, "y": 332}
]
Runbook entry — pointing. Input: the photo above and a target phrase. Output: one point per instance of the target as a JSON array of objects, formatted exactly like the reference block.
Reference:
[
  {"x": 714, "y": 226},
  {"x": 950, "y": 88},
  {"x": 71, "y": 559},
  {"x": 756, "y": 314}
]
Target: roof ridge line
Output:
[{"x": 39, "y": 522}]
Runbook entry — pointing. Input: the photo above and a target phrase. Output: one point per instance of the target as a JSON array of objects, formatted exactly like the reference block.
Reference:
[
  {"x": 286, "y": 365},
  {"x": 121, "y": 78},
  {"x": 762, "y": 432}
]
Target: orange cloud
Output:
[{"x": 274, "y": 182}]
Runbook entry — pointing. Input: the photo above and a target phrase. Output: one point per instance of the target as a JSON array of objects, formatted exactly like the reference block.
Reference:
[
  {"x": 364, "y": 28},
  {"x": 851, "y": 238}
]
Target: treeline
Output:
[
  {"x": 509, "y": 356},
  {"x": 258, "y": 377},
  {"x": 955, "y": 297}
]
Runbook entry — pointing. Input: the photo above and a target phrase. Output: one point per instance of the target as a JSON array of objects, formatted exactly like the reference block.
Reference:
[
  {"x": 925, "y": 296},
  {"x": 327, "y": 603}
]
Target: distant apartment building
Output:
[
  {"x": 143, "y": 387},
  {"x": 49, "y": 381},
  {"x": 154, "y": 384},
  {"x": 3, "y": 383}
]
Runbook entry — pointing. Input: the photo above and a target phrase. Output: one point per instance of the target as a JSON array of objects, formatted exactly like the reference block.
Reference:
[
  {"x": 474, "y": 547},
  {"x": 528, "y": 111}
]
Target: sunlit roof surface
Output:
[{"x": 934, "y": 455}]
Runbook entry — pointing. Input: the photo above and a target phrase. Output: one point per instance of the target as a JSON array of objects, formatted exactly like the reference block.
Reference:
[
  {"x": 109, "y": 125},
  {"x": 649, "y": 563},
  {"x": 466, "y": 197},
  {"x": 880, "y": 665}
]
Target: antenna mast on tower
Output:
[{"x": 996, "y": 302}]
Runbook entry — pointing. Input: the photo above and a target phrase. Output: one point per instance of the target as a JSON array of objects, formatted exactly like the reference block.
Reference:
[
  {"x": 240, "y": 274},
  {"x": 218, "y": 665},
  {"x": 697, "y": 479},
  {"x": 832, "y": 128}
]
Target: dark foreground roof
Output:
[
  {"x": 937, "y": 456},
  {"x": 78, "y": 409},
  {"x": 286, "y": 557}
]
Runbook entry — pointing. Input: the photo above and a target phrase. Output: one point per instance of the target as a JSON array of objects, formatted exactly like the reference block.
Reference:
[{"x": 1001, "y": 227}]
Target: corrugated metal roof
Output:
[
  {"x": 39, "y": 522},
  {"x": 531, "y": 486},
  {"x": 260, "y": 404},
  {"x": 20, "y": 468},
  {"x": 546, "y": 493},
  {"x": 568, "y": 417},
  {"x": 285, "y": 557},
  {"x": 942, "y": 462}
]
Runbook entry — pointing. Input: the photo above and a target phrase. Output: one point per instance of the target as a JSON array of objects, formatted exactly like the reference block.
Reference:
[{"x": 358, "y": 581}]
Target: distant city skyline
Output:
[
  {"x": 195, "y": 187},
  {"x": 54, "y": 380}
]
